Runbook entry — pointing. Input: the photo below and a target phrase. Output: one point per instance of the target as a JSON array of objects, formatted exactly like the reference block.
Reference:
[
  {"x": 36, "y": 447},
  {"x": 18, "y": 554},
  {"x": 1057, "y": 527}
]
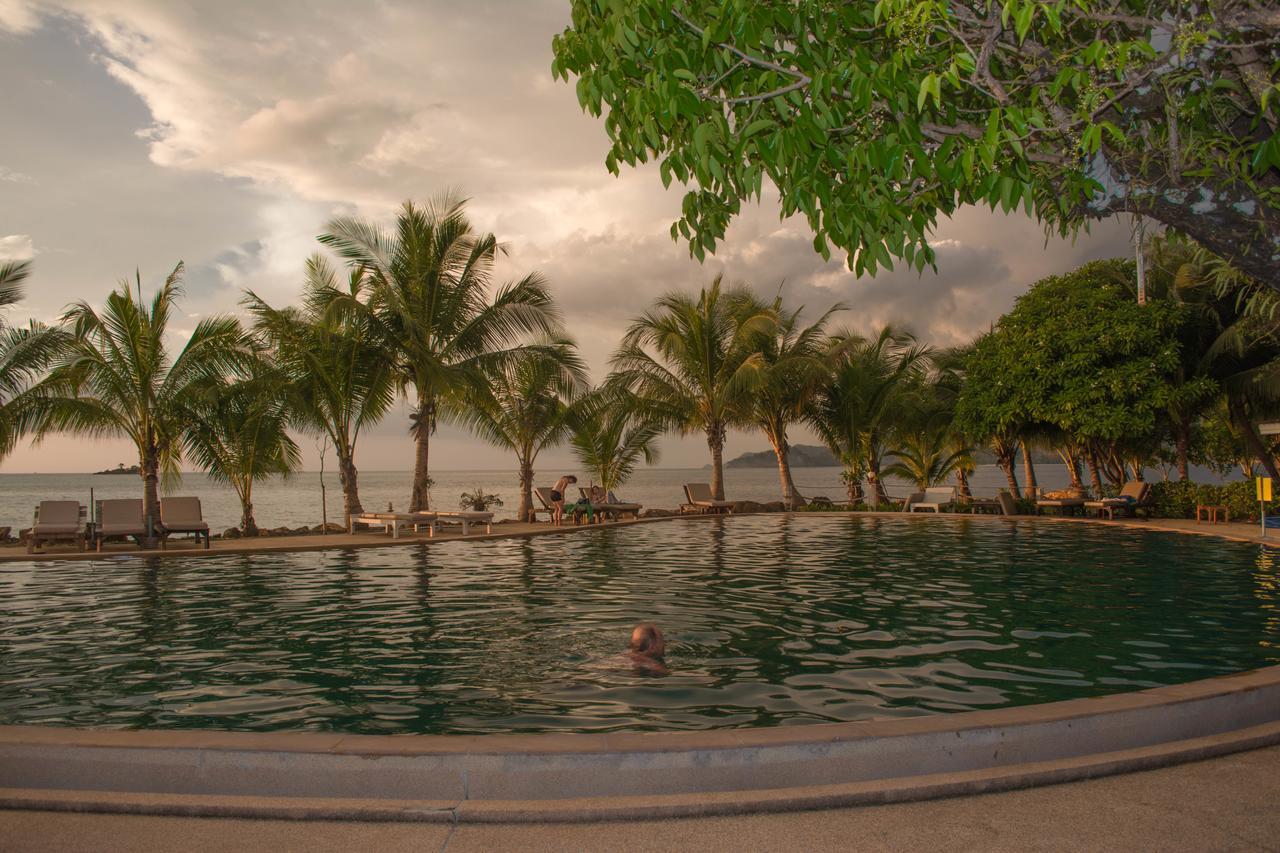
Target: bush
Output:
[{"x": 1173, "y": 499}]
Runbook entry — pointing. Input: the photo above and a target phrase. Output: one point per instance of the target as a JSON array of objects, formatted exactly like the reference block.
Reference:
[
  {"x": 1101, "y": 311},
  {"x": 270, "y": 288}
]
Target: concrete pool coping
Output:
[
  {"x": 1233, "y": 531},
  {"x": 577, "y": 777}
]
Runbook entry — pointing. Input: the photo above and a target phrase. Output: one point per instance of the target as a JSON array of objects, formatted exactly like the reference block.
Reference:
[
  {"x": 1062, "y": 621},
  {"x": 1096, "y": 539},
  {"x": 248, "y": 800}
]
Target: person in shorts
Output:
[{"x": 557, "y": 497}]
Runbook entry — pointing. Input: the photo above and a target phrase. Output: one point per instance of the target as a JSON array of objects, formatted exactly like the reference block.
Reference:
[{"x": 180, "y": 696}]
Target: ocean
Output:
[{"x": 297, "y": 501}]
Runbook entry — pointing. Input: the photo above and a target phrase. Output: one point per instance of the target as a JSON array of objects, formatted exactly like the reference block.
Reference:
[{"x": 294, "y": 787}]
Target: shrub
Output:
[{"x": 1173, "y": 499}]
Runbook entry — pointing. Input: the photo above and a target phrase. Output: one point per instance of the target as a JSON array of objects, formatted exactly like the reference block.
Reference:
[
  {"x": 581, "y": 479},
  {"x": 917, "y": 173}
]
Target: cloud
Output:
[
  {"x": 228, "y": 134},
  {"x": 18, "y": 16},
  {"x": 17, "y": 247},
  {"x": 14, "y": 177}
]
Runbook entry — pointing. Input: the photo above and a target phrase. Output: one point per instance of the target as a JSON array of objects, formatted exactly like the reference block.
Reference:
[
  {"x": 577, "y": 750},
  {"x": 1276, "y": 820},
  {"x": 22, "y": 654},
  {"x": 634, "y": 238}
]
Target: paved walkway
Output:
[
  {"x": 257, "y": 545},
  {"x": 1223, "y": 804}
]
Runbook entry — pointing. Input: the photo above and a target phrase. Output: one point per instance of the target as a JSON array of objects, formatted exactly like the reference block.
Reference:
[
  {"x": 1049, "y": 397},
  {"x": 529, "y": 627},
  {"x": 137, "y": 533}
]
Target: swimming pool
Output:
[{"x": 771, "y": 620}]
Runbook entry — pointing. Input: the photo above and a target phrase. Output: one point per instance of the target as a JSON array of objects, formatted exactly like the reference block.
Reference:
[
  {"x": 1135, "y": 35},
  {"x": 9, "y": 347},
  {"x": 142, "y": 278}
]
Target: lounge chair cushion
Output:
[
  {"x": 45, "y": 529},
  {"x": 182, "y": 515},
  {"x": 59, "y": 512}
]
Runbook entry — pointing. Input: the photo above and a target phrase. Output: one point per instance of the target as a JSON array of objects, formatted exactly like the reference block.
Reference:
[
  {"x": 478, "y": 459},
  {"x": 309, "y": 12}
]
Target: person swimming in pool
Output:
[{"x": 648, "y": 649}]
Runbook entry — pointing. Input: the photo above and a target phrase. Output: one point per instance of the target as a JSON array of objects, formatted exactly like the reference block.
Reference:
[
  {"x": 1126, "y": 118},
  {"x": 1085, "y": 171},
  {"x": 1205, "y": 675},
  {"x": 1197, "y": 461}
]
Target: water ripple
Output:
[{"x": 771, "y": 621}]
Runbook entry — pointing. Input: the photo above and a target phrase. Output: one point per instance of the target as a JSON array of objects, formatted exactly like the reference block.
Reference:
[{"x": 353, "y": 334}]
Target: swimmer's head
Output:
[{"x": 647, "y": 640}]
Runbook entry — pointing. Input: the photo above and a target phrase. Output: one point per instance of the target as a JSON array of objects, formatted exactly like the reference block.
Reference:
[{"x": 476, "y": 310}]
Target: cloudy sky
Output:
[{"x": 143, "y": 132}]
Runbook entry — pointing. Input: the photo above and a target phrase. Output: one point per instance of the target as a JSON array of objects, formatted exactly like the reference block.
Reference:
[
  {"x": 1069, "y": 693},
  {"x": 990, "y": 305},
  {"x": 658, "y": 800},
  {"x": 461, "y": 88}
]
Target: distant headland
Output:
[{"x": 121, "y": 469}]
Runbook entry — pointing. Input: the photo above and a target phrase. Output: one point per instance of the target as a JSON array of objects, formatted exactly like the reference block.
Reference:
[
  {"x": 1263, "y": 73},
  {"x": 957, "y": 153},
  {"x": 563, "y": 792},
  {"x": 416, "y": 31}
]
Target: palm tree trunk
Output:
[
  {"x": 1072, "y": 460},
  {"x": 715, "y": 442},
  {"x": 526, "y": 490},
  {"x": 150, "y": 469},
  {"x": 348, "y": 477},
  {"x": 962, "y": 482},
  {"x": 1240, "y": 416},
  {"x": 853, "y": 485},
  {"x": 1029, "y": 471},
  {"x": 790, "y": 495},
  {"x": 248, "y": 524},
  {"x": 1095, "y": 474},
  {"x": 873, "y": 479},
  {"x": 1182, "y": 447},
  {"x": 425, "y": 418}
]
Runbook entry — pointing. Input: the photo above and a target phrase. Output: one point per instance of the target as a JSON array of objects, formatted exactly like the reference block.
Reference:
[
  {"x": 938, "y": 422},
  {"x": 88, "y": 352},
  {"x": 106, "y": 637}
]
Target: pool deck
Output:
[
  {"x": 507, "y": 529},
  {"x": 1223, "y": 803}
]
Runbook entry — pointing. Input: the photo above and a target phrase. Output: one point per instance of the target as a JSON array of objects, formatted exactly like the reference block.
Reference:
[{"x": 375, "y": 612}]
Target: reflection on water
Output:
[{"x": 771, "y": 620}]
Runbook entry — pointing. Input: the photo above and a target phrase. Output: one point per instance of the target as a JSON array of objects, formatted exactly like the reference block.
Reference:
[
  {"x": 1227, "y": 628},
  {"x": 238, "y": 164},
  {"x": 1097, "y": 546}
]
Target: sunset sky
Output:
[{"x": 143, "y": 132}]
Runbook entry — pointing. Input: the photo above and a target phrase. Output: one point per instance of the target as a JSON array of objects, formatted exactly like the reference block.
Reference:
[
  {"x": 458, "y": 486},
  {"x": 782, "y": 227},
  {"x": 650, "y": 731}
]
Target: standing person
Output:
[{"x": 557, "y": 497}]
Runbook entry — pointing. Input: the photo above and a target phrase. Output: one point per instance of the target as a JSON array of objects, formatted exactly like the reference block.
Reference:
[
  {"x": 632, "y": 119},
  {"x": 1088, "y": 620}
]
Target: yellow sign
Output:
[{"x": 1264, "y": 489}]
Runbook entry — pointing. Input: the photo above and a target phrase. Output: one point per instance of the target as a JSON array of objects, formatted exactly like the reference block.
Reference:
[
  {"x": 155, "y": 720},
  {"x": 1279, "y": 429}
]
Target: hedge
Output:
[{"x": 1173, "y": 499}]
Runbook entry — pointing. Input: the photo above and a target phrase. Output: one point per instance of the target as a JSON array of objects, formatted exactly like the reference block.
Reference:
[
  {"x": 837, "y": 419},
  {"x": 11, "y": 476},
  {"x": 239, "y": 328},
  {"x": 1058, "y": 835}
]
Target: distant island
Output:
[
  {"x": 120, "y": 469},
  {"x": 801, "y": 456}
]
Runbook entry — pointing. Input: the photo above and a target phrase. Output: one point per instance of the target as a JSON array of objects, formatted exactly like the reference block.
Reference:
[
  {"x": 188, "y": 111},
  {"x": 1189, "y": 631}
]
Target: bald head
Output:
[{"x": 647, "y": 640}]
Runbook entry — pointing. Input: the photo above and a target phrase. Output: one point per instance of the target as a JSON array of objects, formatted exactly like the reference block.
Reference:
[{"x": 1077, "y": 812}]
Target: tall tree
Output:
[
  {"x": 872, "y": 119},
  {"x": 1078, "y": 354},
  {"x": 854, "y": 411},
  {"x": 793, "y": 366},
  {"x": 691, "y": 362},
  {"x": 429, "y": 286},
  {"x": 239, "y": 433},
  {"x": 25, "y": 352},
  {"x": 524, "y": 405},
  {"x": 341, "y": 379},
  {"x": 117, "y": 377}
]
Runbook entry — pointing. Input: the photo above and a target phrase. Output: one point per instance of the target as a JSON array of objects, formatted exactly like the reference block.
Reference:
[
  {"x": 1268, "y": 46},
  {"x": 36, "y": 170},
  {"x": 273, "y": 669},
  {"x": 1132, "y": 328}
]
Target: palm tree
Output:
[
  {"x": 927, "y": 456},
  {"x": 240, "y": 435},
  {"x": 691, "y": 364},
  {"x": 116, "y": 377},
  {"x": 524, "y": 405},
  {"x": 429, "y": 286},
  {"x": 794, "y": 364},
  {"x": 340, "y": 379},
  {"x": 25, "y": 351},
  {"x": 611, "y": 437},
  {"x": 853, "y": 412}
]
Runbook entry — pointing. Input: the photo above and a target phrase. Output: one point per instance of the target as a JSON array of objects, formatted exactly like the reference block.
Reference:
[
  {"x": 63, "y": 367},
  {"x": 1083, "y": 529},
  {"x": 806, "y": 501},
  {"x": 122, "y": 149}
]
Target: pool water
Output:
[{"x": 771, "y": 620}]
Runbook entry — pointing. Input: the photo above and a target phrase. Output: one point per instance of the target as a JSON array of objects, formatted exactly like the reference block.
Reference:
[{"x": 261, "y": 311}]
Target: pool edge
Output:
[{"x": 514, "y": 778}]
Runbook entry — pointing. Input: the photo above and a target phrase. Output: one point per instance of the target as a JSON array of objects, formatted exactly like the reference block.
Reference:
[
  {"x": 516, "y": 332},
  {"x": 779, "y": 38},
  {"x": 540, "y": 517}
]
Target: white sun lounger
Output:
[
  {"x": 394, "y": 522},
  {"x": 57, "y": 521},
  {"x": 120, "y": 517},
  {"x": 935, "y": 499},
  {"x": 699, "y": 497}
]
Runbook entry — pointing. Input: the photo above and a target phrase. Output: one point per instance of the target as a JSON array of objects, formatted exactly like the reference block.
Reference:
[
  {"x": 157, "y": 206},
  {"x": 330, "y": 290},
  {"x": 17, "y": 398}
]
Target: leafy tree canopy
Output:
[
  {"x": 872, "y": 119},
  {"x": 1077, "y": 353}
]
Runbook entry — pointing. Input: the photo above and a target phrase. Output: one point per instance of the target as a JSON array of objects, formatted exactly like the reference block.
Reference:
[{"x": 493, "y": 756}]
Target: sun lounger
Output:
[
  {"x": 910, "y": 500},
  {"x": 699, "y": 498},
  {"x": 182, "y": 515},
  {"x": 120, "y": 517},
  {"x": 57, "y": 521},
  {"x": 543, "y": 494},
  {"x": 602, "y": 506},
  {"x": 935, "y": 499},
  {"x": 467, "y": 518},
  {"x": 394, "y": 522},
  {"x": 1135, "y": 496},
  {"x": 1064, "y": 505}
]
